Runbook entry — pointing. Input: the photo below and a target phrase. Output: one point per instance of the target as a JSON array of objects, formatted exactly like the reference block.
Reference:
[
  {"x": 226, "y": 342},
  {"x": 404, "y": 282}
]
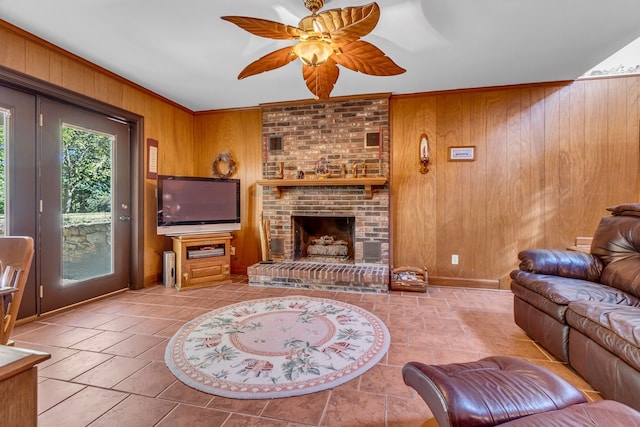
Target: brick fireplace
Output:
[{"x": 336, "y": 131}]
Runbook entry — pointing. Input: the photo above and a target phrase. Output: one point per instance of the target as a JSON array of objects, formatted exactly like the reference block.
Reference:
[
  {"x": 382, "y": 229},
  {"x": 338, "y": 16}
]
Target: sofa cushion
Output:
[
  {"x": 616, "y": 238},
  {"x": 624, "y": 275},
  {"x": 563, "y": 290},
  {"x": 540, "y": 302},
  {"x": 614, "y": 327},
  {"x": 563, "y": 263}
]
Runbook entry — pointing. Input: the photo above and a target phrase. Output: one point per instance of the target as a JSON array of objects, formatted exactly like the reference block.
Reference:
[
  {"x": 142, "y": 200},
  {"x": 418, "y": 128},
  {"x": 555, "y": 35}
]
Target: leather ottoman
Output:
[
  {"x": 603, "y": 413},
  {"x": 490, "y": 391}
]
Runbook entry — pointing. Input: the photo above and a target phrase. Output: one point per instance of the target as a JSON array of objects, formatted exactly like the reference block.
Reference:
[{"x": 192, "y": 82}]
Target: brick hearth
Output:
[{"x": 311, "y": 275}]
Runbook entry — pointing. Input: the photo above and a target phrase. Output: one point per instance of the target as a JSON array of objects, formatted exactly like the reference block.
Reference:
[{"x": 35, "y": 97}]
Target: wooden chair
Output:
[{"x": 16, "y": 254}]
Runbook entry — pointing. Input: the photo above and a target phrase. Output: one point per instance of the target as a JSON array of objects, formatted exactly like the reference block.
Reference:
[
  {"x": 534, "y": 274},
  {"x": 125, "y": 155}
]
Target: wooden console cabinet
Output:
[
  {"x": 202, "y": 260},
  {"x": 19, "y": 385}
]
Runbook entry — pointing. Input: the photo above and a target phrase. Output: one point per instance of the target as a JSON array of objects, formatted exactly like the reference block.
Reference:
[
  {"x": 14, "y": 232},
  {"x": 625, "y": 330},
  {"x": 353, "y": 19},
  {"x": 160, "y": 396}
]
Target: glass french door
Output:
[
  {"x": 83, "y": 205},
  {"x": 18, "y": 178},
  {"x": 64, "y": 180}
]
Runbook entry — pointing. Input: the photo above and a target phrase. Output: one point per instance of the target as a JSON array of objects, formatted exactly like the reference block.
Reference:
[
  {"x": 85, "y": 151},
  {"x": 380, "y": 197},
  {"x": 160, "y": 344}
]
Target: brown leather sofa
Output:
[{"x": 585, "y": 308}]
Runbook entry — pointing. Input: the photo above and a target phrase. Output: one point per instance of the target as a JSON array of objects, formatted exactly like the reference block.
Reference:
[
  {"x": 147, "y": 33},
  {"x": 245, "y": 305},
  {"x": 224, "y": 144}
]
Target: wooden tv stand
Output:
[{"x": 202, "y": 260}]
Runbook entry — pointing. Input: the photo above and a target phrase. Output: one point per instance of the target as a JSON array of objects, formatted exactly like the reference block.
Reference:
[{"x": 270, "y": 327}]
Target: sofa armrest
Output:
[{"x": 563, "y": 263}]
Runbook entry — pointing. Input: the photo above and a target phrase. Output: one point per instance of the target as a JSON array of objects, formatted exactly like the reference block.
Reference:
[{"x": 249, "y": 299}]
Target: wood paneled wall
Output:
[
  {"x": 239, "y": 132},
  {"x": 549, "y": 159}
]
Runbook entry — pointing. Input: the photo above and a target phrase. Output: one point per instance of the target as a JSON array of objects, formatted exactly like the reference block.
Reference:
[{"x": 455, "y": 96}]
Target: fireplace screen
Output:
[{"x": 323, "y": 238}]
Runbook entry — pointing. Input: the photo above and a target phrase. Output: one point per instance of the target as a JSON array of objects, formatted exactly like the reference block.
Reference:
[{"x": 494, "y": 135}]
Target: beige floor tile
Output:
[
  {"x": 306, "y": 409},
  {"x": 180, "y": 392},
  {"x": 407, "y": 412},
  {"x": 135, "y": 411},
  {"x": 82, "y": 408},
  {"x": 51, "y": 392},
  {"x": 191, "y": 416},
  {"x": 111, "y": 372},
  {"x": 150, "y": 326},
  {"x": 354, "y": 408},
  {"x": 134, "y": 345},
  {"x": 101, "y": 341},
  {"x": 399, "y": 355},
  {"x": 151, "y": 380},
  {"x": 82, "y": 319},
  {"x": 237, "y": 420},
  {"x": 156, "y": 352},
  {"x": 74, "y": 365},
  {"x": 122, "y": 323},
  {"x": 241, "y": 406},
  {"x": 385, "y": 380}
]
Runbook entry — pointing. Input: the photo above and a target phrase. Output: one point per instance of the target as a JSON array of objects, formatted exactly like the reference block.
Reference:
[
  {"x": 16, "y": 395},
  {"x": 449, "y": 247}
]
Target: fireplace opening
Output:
[{"x": 323, "y": 238}]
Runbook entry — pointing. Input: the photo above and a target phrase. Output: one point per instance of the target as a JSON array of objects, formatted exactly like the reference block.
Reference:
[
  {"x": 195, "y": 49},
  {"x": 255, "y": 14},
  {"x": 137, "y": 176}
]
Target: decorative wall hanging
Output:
[
  {"x": 424, "y": 154},
  {"x": 228, "y": 168},
  {"x": 462, "y": 154},
  {"x": 152, "y": 158}
]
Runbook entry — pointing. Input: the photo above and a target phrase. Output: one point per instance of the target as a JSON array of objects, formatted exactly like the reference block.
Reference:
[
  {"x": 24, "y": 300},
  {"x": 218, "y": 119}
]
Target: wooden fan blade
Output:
[
  {"x": 266, "y": 28},
  {"x": 366, "y": 58},
  {"x": 322, "y": 78},
  {"x": 349, "y": 24},
  {"x": 271, "y": 61}
]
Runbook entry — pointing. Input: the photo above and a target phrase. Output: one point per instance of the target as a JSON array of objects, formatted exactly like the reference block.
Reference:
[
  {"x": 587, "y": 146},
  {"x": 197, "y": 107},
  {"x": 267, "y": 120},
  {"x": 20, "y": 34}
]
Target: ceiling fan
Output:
[{"x": 323, "y": 40}]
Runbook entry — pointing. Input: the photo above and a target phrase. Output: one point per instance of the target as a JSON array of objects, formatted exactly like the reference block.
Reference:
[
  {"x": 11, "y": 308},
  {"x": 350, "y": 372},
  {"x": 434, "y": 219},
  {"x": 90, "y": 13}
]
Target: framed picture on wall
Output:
[
  {"x": 152, "y": 158},
  {"x": 462, "y": 154}
]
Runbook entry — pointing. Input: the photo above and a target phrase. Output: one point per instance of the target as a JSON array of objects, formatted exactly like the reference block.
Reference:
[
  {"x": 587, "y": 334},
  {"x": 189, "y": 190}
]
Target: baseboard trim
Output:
[
  {"x": 464, "y": 282},
  {"x": 69, "y": 307}
]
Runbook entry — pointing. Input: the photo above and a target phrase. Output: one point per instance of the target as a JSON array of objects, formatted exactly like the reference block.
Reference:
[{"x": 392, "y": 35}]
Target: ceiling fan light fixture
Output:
[
  {"x": 323, "y": 41},
  {"x": 313, "y": 52}
]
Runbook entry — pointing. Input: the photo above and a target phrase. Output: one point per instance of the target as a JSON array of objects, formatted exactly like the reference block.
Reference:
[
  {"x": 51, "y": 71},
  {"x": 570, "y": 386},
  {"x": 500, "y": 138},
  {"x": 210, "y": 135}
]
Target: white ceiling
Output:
[{"x": 182, "y": 50}]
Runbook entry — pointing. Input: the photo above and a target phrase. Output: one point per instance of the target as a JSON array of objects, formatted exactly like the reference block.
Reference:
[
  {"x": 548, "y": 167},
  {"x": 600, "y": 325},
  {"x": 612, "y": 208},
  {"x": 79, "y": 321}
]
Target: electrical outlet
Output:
[
  {"x": 454, "y": 259},
  {"x": 232, "y": 250}
]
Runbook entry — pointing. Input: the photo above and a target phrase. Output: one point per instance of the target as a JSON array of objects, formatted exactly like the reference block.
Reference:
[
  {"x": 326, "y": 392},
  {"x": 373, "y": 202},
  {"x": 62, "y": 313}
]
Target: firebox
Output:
[{"x": 327, "y": 239}]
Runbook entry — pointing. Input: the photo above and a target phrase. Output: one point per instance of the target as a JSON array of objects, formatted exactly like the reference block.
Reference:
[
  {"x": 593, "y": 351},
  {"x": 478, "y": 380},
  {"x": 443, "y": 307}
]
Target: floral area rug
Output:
[{"x": 276, "y": 347}]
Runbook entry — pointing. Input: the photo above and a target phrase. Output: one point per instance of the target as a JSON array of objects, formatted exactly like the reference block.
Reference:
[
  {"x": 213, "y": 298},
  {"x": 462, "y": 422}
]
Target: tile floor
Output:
[{"x": 107, "y": 366}]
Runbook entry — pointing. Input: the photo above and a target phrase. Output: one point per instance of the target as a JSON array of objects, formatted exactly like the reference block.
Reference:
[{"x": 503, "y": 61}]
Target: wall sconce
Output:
[{"x": 424, "y": 154}]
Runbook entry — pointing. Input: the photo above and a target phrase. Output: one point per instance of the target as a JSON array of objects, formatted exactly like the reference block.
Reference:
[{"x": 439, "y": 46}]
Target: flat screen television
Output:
[{"x": 196, "y": 205}]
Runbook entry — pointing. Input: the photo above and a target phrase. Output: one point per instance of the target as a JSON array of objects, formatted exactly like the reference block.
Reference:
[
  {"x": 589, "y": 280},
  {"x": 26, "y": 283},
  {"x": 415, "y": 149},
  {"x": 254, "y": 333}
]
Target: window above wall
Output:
[{"x": 624, "y": 62}]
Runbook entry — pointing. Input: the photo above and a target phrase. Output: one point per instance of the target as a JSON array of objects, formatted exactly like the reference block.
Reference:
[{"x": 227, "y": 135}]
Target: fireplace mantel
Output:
[{"x": 366, "y": 182}]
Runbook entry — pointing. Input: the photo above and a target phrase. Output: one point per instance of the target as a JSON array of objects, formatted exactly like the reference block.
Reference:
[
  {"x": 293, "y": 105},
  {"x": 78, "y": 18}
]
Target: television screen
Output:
[{"x": 194, "y": 205}]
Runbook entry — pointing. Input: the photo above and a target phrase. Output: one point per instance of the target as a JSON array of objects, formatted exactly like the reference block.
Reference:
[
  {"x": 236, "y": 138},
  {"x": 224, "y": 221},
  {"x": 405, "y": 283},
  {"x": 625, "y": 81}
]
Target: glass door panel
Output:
[{"x": 86, "y": 200}]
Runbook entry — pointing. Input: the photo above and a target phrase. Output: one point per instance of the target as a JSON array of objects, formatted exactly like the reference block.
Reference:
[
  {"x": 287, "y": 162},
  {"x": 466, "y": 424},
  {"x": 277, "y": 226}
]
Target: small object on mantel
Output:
[{"x": 413, "y": 279}]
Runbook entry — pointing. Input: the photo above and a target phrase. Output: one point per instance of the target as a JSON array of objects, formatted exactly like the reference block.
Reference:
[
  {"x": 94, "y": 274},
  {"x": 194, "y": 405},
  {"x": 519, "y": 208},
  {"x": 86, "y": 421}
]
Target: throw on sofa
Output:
[{"x": 585, "y": 308}]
